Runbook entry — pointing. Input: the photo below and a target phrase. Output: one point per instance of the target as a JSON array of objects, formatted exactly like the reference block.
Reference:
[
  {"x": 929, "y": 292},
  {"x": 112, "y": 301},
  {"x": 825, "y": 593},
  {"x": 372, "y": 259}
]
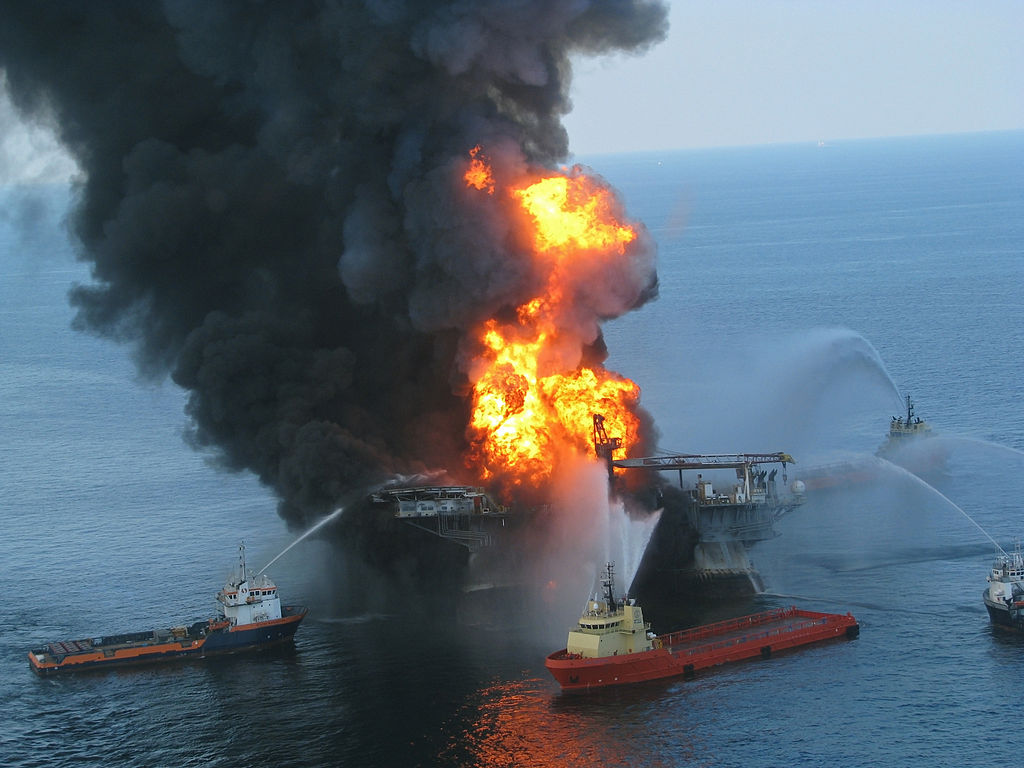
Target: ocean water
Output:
[{"x": 804, "y": 291}]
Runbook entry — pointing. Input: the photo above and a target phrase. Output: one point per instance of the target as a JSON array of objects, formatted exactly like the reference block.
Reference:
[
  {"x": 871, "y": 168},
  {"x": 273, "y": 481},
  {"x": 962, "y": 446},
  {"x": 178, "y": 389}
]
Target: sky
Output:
[
  {"x": 28, "y": 153},
  {"x": 739, "y": 72}
]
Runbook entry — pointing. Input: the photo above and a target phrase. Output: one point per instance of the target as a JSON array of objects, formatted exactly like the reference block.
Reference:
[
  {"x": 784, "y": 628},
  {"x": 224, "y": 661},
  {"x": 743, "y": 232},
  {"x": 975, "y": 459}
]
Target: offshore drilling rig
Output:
[{"x": 698, "y": 550}]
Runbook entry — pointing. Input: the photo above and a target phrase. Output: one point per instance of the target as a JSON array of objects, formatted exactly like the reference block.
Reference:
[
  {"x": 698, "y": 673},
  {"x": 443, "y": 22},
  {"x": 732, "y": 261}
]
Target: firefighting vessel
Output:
[
  {"x": 613, "y": 645},
  {"x": 250, "y": 616},
  {"x": 1004, "y": 596},
  {"x": 910, "y": 444},
  {"x": 902, "y": 431}
]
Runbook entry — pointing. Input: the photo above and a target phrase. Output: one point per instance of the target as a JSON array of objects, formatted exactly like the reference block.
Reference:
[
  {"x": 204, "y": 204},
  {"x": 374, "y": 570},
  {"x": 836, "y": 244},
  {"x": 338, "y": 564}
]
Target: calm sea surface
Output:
[{"x": 804, "y": 291}]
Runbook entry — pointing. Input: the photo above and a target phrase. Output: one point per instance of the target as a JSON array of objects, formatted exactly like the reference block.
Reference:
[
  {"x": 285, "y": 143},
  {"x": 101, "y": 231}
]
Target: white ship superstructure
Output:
[
  {"x": 247, "y": 598},
  {"x": 1004, "y": 596}
]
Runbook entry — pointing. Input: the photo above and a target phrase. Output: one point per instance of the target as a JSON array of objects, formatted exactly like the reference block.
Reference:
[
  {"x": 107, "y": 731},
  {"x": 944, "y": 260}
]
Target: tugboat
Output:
[
  {"x": 250, "y": 616},
  {"x": 1004, "y": 596},
  {"x": 902, "y": 431},
  {"x": 911, "y": 444},
  {"x": 613, "y": 645}
]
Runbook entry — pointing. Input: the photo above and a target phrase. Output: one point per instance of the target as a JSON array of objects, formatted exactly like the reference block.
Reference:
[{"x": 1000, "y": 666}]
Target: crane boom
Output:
[
  {"x": 604, "y": 446},
  {"x": 704, "y": 461}
]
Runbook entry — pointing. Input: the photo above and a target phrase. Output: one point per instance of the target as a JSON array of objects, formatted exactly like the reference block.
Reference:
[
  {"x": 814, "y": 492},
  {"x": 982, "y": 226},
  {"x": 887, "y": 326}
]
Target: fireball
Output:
[{"x": 527, "y": 408}]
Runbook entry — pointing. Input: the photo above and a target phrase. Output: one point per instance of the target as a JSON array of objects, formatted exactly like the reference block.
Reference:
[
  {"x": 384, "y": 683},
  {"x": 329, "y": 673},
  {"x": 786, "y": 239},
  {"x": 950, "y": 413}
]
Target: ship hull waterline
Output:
[
  {"x": 1002, "y": 617},
  {"x": 217, "y": 642}
]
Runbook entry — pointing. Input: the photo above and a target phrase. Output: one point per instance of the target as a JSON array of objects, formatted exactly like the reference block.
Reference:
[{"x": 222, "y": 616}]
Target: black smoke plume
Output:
[{"x": 268, "y": 206}]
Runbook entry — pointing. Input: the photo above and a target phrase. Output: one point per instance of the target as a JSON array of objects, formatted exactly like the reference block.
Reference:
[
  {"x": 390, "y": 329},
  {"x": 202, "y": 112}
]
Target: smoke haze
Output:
[{"x": 272, "y": 207}]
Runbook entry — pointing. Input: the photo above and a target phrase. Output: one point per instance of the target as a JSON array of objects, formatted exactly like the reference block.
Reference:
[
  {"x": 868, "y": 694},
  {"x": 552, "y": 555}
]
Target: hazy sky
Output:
[
  {"x": 736, "y": 72},
  {"x": 762, "y": 71}
]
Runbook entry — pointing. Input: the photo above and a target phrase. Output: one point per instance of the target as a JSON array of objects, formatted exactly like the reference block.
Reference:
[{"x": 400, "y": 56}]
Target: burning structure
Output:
[
  {"x": 344, "y": 228},
  {"x": 698, "y": 551}
]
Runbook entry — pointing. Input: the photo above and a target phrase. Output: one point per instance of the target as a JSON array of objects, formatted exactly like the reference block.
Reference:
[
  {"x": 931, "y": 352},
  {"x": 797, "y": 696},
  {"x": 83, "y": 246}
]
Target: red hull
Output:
[{"x": 683, "y": 653}]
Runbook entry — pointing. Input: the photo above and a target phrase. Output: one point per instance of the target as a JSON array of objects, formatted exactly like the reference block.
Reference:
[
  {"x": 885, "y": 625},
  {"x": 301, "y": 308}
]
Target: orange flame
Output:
[
  {"x": 573, "y": 213},
  {"x": 523, "y": 418},
  {"x": 525, "y": 415},
  {"x": 479, "y": 173}
]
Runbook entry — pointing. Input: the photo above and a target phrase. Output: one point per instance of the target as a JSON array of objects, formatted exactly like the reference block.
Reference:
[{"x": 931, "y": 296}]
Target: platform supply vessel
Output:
[
  {"x": 1004, "y": 595},
  {"x": 903, "y": 431},
  {"x": 250, "y": 616},
  {"x": 613, "y": 645},
  {"x": 911, "y": 444}
]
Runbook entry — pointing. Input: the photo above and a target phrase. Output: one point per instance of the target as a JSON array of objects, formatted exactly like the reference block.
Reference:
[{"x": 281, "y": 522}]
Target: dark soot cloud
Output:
[{"x": 268, "y": 205}]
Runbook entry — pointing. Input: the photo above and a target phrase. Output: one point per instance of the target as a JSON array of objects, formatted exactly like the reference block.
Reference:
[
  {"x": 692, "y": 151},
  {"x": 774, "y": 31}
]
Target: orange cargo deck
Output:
[{"x": 685, "y": 652}]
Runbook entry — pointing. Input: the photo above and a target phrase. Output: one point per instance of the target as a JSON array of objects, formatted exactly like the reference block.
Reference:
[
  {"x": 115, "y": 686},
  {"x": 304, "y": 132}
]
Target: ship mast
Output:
[{"x": 609, "y": 586}]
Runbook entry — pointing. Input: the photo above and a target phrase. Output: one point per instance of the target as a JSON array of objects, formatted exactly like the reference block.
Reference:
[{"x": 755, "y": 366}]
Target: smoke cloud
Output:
[{"x": 271, "y": 205}]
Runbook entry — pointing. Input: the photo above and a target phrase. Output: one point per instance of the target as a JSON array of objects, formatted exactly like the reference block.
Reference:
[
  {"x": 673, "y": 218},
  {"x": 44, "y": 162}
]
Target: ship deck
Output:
[
  {"x": 113, "y": 643},
  {"x": 685, "y": 652},
  {"x": 745, "y": 629},
  {"x": 778, "y": 629},
  {"x": 201, "y": 638}
]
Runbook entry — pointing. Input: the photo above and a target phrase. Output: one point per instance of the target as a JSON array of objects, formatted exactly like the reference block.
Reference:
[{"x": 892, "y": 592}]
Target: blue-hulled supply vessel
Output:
[{"x": 249, "y": 616}]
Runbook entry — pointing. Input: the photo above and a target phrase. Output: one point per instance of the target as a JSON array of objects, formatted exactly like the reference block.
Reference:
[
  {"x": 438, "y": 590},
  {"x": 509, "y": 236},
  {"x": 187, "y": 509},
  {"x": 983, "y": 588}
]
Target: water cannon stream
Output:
[
  {"x": 903, "y": 472},
  {"x": 320, "y": 524}
]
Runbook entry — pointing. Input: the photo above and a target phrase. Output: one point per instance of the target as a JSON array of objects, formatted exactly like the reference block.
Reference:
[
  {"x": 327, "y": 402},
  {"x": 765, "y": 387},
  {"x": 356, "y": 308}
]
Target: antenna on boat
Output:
[
  {"x": 241, "y": 558},
  {"x": 609, "y": 585}
]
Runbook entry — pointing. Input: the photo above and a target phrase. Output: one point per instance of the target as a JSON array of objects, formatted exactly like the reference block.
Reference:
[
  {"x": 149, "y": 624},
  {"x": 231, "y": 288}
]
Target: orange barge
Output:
[{"x": 612, "y": 645}]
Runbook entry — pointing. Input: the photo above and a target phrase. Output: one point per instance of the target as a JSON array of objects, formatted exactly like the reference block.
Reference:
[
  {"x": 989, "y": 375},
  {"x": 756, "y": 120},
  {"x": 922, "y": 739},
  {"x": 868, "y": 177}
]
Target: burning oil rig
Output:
[
  {"x": 461, "y": 514},
  {"x": 698, "y": 549},
  {"x": 697, "y": 554}
]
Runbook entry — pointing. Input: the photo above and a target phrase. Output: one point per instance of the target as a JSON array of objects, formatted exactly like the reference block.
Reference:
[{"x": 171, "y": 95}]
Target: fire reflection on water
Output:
[{"x": 522, "y": 723}]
